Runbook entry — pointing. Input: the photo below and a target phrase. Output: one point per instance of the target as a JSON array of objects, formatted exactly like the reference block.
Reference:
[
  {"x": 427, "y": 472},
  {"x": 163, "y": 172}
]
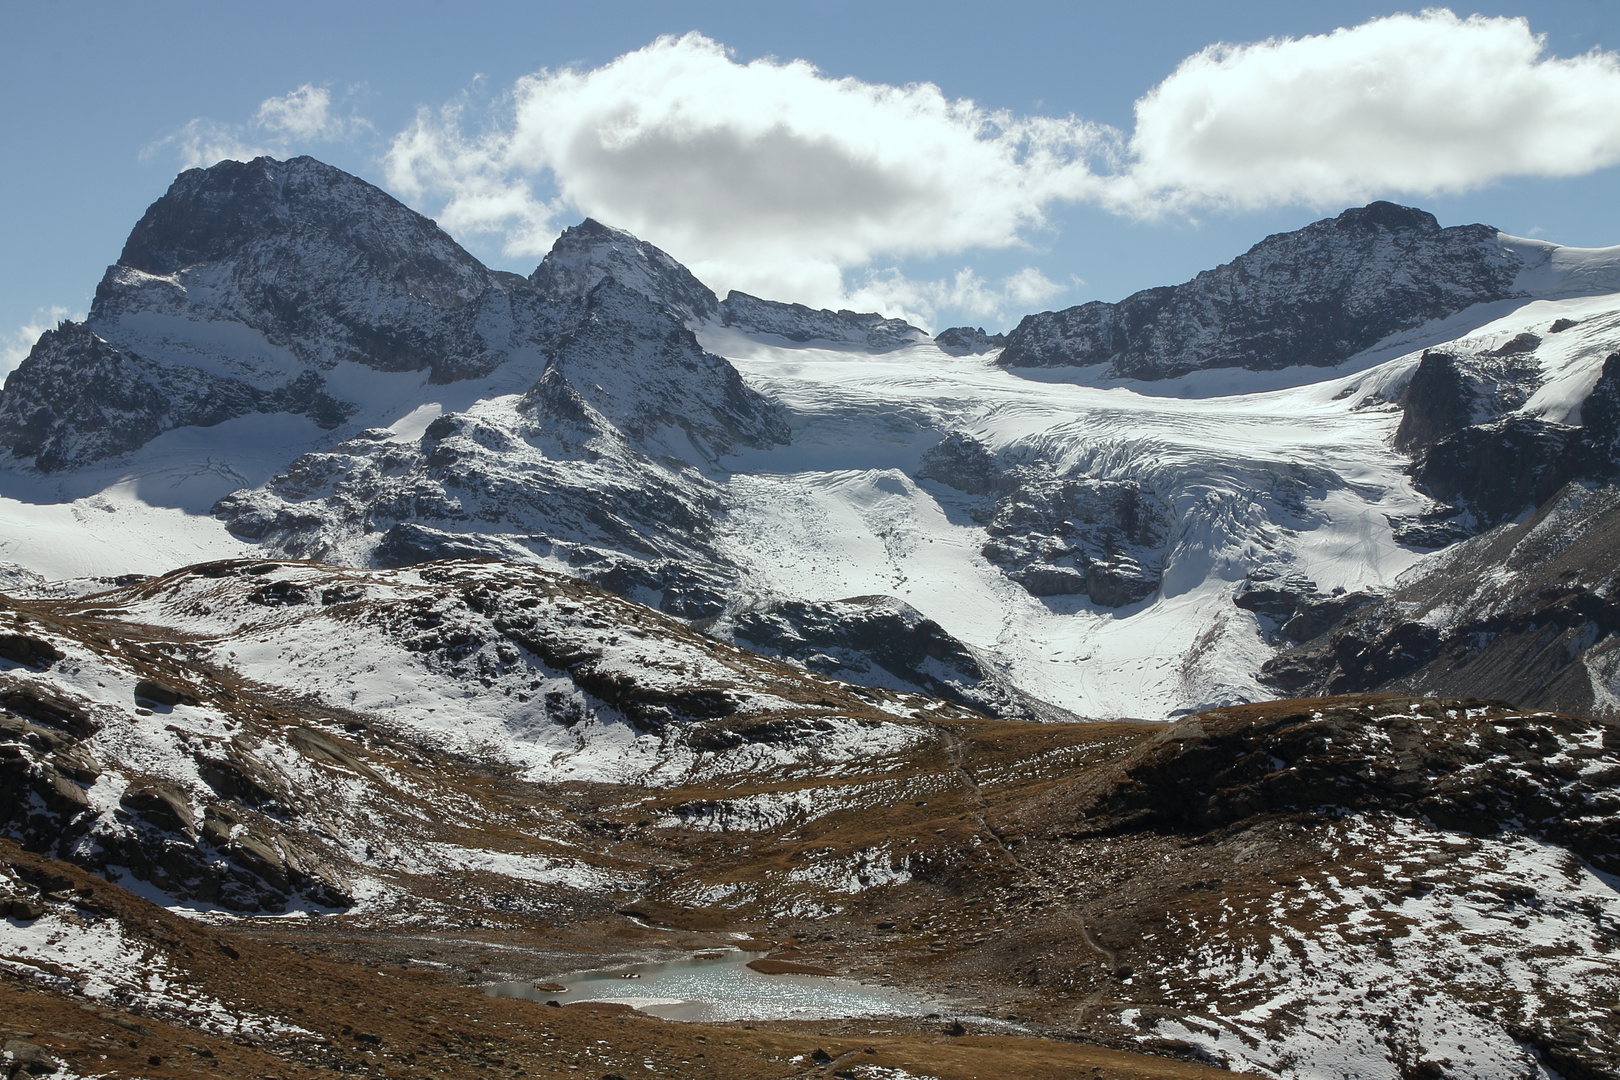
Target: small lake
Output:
[{"x": 724, "y": 987}]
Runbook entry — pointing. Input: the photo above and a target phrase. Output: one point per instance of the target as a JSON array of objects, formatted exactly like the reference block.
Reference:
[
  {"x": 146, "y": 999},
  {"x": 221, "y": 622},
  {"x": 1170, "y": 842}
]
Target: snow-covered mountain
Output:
[
  {"x": 639, "y": 620},
  {"x": 287, "y": 362}
]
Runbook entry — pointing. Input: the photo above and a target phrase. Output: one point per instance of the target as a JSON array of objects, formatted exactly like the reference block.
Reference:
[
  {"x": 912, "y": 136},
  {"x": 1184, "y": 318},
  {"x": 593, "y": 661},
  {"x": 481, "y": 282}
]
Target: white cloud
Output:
[
  {"x": 774, "y": 178},
  {"x": 1409, "y": 104},
  {"x": 203, "y": 142},
  {"x": 768, "y": 177},
  {"x": 14, "y": 349},
  {"x": 281, "y": 126},
  {"x": 963, "y": 295},
  {"x": 777, "y": 179},
  {"x": 306, "y": 113}
]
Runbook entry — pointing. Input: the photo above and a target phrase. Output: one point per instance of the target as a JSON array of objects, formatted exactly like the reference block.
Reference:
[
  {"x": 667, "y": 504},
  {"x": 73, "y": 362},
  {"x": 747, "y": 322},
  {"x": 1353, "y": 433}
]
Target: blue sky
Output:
[{"x": 104, "y": 103}]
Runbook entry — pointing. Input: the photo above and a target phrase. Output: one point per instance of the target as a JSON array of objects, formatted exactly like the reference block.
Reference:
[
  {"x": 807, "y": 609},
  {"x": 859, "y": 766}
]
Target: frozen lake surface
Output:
[{"x": 718, "y": 988}]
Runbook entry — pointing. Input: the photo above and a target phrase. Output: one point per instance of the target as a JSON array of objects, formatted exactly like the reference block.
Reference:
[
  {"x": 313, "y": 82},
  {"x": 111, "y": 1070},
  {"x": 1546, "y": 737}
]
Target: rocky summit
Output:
[
  {"x": 1312, "y": 297},
  {"x": 409, "y": 667}
]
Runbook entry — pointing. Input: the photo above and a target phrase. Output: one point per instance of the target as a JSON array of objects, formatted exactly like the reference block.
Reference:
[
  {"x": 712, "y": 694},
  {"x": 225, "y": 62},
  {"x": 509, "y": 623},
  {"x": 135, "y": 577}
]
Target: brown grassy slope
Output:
[{"x": 393, "y": 1021}]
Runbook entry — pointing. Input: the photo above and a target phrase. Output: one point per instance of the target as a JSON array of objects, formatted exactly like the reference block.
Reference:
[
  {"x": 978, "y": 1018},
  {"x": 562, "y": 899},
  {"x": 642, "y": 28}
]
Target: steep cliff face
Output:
[
  {"x": 630, "y": 362},
  {"x": 1478, "y": 451},
  {"x": 78, "y": 399},
  {"x": 1523, "y": 613},
  {"x": 1311, "y": 297},
  {"x": 320, "y": 265}
]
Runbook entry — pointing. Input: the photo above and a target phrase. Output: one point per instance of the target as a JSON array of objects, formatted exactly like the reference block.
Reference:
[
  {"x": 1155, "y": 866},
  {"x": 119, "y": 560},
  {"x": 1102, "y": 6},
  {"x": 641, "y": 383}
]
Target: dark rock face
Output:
[
  {"x": 46, "y": 770},
  {"x": 315, "y": 259},
  {"x": 1523, "y": 613},
  {"x": 1077, "y": 536},
  {"x": 1600, "y": 415},
  {"x": 1489, "y": 465},
  {"x": 799, "y": 323},
  {"x": 1435, "y": 403},
  {"x": 965, "y": 340},
  {"x": 1058, "y": 536},
  {"x": 1496, "y": 471},
  {"x": 76, "y": 399},
  {"x": 1293, "y": 609},
  {"x": 966, "y": 464},
  {"x": 1312, "y": 297},
  {"x": 407, "y": 543},
  {"x": 28, "y": 651},
  {"x": 209, "y": 215},
  {"x": 881, "y": 641},
  {"x": 1470, "y": 765},
  {"x": 46, "y": 413}
]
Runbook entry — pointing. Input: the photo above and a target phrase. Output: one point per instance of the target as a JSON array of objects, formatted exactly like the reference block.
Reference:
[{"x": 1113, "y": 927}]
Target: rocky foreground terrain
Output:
[{"x": 374, "y": 793}]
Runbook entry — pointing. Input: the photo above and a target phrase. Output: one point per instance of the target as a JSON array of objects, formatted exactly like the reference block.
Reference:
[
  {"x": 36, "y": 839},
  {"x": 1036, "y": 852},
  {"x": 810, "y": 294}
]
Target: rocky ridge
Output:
[
  {"x": 1315, "y": 297},
  {"x": 962, "y": 340},
  {"x": 189, "y": 730},
  {"x": 795, "y": 322}
]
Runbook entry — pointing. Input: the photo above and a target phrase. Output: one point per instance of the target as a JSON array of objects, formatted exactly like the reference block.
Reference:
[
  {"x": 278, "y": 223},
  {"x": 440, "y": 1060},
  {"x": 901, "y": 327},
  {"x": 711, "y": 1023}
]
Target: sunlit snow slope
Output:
[
  {"x": 1297, "y": 481},
  {"x": 1111, "y": 546}
]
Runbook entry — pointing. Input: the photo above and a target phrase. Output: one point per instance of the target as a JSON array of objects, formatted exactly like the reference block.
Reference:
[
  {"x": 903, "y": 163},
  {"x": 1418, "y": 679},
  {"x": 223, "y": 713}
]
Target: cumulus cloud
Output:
[
  {"x": 281, "y": 126},
  {"x": 768, "y": 177},
  {"x": 1408, "y": 104},
  {"x": 776, "y": 179},
  {"x": 964, "y": 294},
  {"x": 306, "y": 113},
  {"x": 14, "y": 349}
]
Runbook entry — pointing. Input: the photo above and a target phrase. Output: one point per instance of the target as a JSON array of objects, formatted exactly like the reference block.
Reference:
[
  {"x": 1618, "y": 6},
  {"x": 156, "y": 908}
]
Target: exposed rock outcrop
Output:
[
  {"x": 1313, "y": 297},
  {"x": 1078, "y": 536},
  {"x": 1488, "y": 463},
  {"x": 795, "y": 322},
  {"x": 1523, "y": 613},
  {"x": 881, "y": 641},
  {"x": 964, "y": 340},
  {"x": 77, "y": 399},
  {"x": 1470, "y": 765},
  {"x": 966, "y": 464}
]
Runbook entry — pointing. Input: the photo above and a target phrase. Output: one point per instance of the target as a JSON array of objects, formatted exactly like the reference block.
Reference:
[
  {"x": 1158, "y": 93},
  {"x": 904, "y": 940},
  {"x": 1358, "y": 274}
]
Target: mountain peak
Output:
[
  {"x": 588, "y": 252},
  {"x": 232, "y": 208},
  {"x": 1388, "y": 215}
]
